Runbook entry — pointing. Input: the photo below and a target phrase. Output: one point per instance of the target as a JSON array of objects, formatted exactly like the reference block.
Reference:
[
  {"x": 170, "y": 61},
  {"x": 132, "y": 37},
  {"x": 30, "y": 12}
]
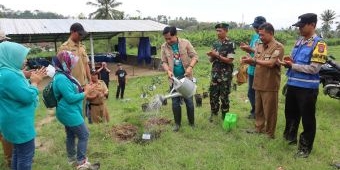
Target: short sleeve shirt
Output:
[
  {"x": 265, "y": 78},
  {"x": 121, "y": 74},
  {"x": 79, "y": 71}
]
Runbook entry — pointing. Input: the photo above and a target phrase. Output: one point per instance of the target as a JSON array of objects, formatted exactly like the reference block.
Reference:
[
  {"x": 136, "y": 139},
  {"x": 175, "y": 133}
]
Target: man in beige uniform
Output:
[
  {"x": 98, "y": 108},
  {"x": 81, "y": 71},
  {"x": 267, "y": 80}
]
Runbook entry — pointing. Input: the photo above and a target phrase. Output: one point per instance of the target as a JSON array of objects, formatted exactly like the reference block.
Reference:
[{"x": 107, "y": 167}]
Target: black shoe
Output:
[
  {"x": 211, "y": 117},
  {"x": 176, "y": 128},
  {"x": 302, "y": 154},
  {"x": 223, "y": 116},
  {"x": 192, "y": 125},
  {"x": 292, "y": 142}
]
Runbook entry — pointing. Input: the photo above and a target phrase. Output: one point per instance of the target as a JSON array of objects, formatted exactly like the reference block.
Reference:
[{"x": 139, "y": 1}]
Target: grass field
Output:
[{"x": 208, "y": 146}]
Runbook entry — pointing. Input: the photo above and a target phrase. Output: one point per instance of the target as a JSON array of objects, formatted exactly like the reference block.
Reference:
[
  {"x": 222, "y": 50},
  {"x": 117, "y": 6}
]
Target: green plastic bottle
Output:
[{"x": 230, "y": 121}]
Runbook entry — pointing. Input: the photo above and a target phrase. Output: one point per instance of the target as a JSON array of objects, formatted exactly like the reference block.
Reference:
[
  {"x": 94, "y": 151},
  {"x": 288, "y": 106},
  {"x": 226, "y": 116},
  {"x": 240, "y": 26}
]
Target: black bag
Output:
[{"x": 48, "y": 97}]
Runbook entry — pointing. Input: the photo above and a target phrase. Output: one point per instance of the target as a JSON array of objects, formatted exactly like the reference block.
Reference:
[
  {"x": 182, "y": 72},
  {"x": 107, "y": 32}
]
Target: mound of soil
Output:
[
  {"x": 156, "y": 121},
  {"x": 124, "y": 132}
]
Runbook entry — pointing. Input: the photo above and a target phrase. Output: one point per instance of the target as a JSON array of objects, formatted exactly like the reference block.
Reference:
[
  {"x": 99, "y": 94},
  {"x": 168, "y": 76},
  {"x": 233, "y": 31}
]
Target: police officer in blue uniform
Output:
[{"x": 307, "y": 56}]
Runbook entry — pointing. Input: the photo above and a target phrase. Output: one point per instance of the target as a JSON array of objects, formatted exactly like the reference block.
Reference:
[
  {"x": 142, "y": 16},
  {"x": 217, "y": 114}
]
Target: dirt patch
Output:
[
  {"x": 43, "y": 145},
  {"x": 48, "y": 119},
  {"x": 124, "y": 132},
  {"x": 132, "y": 72},
  {"x": 156, "y": 121}
]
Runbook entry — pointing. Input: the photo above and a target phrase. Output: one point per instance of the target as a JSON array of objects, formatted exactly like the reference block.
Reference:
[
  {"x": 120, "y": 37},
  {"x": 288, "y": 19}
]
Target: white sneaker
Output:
[{"x": 84, "y": 166}]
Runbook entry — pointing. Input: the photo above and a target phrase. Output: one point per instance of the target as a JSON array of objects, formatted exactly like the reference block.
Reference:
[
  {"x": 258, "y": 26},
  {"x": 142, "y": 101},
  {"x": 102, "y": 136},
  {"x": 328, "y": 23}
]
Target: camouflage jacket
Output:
[{"x": 222, "y": 71}]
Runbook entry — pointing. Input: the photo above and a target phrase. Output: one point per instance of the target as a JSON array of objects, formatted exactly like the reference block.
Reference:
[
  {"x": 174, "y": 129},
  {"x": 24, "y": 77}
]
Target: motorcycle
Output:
[{"x": 330, "y": 78}]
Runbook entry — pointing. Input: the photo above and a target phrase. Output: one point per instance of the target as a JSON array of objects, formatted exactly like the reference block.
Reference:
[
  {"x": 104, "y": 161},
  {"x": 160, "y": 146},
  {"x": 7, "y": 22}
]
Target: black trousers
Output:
[
  {"x": 177, "y": 110},
  {"x": 120, "y": 90},
  {"x": 300, "y": 104},
  {"x": 107, "y": 83}
]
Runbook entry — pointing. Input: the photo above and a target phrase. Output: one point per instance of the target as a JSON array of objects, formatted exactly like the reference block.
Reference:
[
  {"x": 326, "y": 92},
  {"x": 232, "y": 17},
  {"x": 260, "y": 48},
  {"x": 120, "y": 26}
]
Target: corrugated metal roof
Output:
[{"x": 50, "y": 30}]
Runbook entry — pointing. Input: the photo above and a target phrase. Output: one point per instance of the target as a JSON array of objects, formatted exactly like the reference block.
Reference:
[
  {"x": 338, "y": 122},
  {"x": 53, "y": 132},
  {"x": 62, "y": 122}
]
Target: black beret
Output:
[{"x": 222, "y": 25}]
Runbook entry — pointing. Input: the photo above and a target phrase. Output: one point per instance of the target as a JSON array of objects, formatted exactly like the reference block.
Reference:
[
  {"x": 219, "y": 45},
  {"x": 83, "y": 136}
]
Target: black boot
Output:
[
  {"x": 223, "y": 115},
  {"x": 211, "y": 117},
  {"x": 176, "y": 128}
]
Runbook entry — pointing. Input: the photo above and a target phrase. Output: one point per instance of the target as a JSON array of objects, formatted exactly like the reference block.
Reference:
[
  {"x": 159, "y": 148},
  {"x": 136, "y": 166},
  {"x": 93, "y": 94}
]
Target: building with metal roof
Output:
[
  {"x": 58, "y": 30},
  {"x": 55, "y": 30}
]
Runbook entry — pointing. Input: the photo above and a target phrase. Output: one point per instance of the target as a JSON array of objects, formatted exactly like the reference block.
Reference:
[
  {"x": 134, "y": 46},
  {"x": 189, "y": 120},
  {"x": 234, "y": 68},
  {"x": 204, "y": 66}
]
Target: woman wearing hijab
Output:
[
  {"x": 70, "y": 96},
  {"x": 18, "y": 100}
]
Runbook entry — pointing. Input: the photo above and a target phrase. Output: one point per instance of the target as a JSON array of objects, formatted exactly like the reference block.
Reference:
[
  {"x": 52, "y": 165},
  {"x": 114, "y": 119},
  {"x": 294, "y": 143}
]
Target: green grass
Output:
[{"x": 208, "y": 146}]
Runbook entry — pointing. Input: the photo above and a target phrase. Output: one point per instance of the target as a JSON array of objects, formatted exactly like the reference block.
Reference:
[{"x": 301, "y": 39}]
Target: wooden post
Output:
[{"x": 92, "y": 52}]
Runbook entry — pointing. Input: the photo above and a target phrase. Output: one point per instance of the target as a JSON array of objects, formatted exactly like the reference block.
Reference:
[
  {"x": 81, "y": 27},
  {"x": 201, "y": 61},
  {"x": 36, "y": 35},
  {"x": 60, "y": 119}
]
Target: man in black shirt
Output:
[
  {"x": 104, "y": 73},
  {"x": 121, "y": 80}
]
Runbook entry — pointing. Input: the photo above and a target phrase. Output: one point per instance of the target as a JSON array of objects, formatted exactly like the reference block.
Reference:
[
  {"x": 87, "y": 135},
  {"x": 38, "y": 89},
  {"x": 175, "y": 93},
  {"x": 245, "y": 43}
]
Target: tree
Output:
[
  {"x": 106, "y": 10},
  {"x": 81, "y": 16},
  {"x": 327, "y": 17}
]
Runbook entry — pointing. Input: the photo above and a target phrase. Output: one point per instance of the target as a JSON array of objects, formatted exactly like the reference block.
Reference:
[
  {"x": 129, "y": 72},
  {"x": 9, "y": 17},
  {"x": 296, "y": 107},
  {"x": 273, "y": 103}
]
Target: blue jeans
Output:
[
  {"x": 22, "y": 156},
  {"x": 177, "y": 110},
  {"x": 251, "y": 94},
  {"x": 82, "y": 133}
]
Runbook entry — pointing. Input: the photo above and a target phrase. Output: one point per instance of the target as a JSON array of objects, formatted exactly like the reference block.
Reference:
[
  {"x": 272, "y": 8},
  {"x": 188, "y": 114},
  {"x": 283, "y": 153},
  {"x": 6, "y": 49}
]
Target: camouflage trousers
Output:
[{"x": 219, "y": 91}]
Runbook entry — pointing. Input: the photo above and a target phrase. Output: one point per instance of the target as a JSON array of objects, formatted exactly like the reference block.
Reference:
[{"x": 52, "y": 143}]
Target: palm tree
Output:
[
  {"x": 327, "y": 17},
  {"x": 106, "y": 10}
]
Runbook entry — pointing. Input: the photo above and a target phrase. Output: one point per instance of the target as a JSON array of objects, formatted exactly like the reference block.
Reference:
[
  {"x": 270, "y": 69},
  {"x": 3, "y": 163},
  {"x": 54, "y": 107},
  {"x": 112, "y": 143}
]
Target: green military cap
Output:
[{"x": 222, "y": 25}]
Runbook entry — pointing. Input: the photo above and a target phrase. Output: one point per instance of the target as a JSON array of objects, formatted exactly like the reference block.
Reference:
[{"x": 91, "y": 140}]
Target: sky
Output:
[{"x": 281, "y": 13}]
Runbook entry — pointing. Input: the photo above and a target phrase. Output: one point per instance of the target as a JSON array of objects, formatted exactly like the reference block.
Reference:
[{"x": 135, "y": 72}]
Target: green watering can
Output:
[{"x": 230, "y": 121}]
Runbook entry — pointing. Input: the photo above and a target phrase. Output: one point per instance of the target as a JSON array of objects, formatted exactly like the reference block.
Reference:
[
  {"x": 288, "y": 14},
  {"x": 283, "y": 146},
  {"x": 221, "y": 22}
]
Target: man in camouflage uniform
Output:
[{"x": 221, "y": 57}]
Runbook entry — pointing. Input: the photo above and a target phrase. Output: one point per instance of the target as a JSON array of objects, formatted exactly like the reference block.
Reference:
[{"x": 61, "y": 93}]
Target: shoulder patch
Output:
[
  {"x": 320, "y": 53},
  {"x": 321, "y": 48}
]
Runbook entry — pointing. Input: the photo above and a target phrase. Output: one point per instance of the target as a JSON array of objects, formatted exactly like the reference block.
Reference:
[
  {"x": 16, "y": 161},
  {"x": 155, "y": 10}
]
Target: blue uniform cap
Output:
[{"x": 259, "y": 20}]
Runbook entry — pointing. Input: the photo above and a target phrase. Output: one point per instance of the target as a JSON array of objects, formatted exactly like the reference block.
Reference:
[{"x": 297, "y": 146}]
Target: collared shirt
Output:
[
  {"x": 186, "y": 52},
  {"x": 266, "y": 78},
  {"x": 78, "y": 49}
]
